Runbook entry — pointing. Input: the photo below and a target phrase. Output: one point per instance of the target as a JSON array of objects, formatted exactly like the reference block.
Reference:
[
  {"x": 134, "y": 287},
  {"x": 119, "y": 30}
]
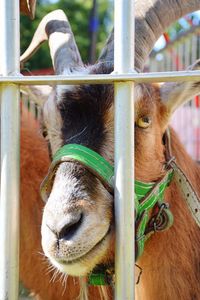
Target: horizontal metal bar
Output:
[{"x": 103, "y": 78}]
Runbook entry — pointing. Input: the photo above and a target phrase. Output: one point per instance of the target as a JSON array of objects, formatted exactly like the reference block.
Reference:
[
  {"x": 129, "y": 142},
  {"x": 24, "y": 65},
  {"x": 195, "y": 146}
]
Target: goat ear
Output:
[
  {"x": 38, "y": 94},
  {"x": 175, "y": 94}
]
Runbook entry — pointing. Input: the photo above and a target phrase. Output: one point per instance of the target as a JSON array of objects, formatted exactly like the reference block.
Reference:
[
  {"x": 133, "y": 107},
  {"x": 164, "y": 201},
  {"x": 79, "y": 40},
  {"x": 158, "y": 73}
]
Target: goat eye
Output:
[
  {"x": 143, "y": 122},
  {"x": 44, "y": 133}
]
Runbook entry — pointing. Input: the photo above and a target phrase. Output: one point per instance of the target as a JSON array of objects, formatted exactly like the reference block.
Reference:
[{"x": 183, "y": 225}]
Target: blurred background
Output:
[{"x": 91, "y": 22}]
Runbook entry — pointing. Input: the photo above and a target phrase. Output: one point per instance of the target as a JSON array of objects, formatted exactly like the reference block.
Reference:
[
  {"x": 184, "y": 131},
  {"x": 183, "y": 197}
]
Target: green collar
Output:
[{"x": 147, "y": 195}]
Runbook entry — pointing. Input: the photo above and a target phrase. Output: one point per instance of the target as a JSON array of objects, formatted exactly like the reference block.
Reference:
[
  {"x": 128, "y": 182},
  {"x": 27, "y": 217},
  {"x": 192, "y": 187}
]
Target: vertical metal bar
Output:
[
  {"x": 9, "y": 202},
  {"x": 124, "y": 152}
]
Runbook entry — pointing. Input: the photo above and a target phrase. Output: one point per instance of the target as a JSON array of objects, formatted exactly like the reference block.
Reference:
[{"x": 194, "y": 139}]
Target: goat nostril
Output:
[{"x": 70, "y": 228}]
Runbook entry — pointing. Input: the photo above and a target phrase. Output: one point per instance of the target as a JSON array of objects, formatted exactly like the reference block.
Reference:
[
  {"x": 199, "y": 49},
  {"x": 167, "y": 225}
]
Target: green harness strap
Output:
[
  {"x": 147, "y": 195},
  {"x": 89, "y": 158},
  {"x": 97, "y": 165}
]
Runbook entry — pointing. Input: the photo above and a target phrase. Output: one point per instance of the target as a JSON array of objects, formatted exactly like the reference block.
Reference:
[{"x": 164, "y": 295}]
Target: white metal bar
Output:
[
  {"x": 9, "y": 202},
  {"x": 124, "y": 152},
  {"x": 103, "y": 78}
]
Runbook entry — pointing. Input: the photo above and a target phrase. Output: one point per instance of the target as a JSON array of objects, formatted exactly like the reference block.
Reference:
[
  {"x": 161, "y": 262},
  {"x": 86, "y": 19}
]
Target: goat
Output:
[{"x": 78, "y": 223}]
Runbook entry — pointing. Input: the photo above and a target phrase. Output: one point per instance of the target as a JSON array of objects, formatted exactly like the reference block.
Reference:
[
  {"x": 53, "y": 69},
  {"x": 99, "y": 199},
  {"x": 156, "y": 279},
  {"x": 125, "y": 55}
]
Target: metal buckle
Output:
[
  {"x": 167, "y": 165},
  {"x": 159, "y": 220},
  {"x": 163, "y": 219}
]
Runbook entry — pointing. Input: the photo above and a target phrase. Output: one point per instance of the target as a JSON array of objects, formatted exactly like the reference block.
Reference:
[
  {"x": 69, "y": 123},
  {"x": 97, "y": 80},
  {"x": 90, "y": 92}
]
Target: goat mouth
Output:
[{"x": 82, "y": 257}]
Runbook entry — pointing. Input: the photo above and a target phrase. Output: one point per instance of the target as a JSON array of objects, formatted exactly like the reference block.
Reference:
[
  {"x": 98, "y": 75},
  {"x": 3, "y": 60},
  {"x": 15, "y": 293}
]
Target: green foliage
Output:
[{"x": 78, "y": 13}]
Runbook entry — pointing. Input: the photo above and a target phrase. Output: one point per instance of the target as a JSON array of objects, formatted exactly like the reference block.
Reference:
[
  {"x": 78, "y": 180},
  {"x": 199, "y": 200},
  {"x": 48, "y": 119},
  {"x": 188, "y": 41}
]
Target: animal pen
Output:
[{"x": 123, "y": 78}]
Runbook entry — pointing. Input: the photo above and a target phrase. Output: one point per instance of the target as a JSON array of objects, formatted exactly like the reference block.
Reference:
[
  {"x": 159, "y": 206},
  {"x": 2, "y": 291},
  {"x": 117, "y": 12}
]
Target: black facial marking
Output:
[{"x": 82, "y": 111}]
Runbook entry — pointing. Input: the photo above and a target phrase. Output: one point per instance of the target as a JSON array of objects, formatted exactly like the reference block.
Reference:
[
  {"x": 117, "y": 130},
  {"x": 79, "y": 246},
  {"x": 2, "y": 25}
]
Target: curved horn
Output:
[
  {"x": 152, "y": 17},
  {"x": 55, "y": 28}
]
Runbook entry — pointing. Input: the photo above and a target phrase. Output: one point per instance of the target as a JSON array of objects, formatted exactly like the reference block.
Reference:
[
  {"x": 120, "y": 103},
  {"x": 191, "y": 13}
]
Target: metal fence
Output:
[
  {"x": 177, "y": 55},
  {"x": 124, "y": 141}
]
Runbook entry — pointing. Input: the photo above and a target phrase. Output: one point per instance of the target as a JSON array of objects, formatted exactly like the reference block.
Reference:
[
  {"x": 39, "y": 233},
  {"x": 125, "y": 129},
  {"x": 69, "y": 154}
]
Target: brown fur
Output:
[{"x": 171, "y": 259}]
